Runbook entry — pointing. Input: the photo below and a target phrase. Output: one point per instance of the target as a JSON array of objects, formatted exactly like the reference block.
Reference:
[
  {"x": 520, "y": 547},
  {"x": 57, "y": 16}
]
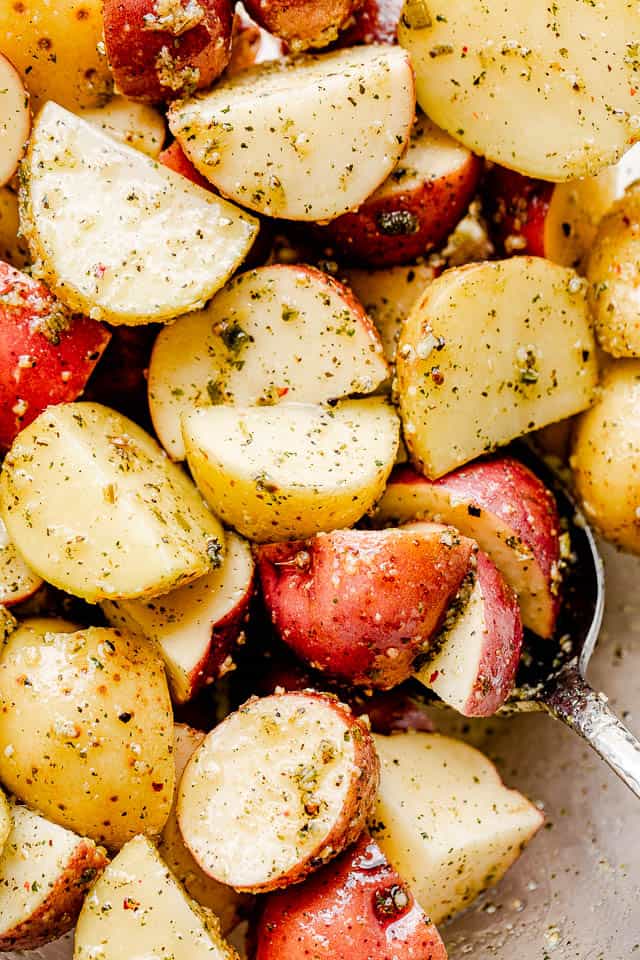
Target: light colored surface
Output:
[
  {"x": 15, "y": 119},
  {"x": 17, "y": 579},
  {"x": 138, "y": 124}
]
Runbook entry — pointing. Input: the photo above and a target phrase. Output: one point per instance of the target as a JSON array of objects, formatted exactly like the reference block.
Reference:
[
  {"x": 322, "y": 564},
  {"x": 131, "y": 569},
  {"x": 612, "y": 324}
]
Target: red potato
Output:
[
  {"x": 251, "y": 44},
  {"x": 360, "y": 605},
  {"x": 418, "y": 205},
  {"x": 15, "y": 119},
  {"x": 477, "y": 654},
  {"x": 358, "y": 907},
  {"x": 507, "y": 510},
  {"x": 376, "y": 21},
  {"x": 120, "y": 379},
  {"x": 176, "y": 159},
  {"x": 303, "y": 23},
  {"x": 163, "y": 49},
  {"x": 46, "y": 354}
]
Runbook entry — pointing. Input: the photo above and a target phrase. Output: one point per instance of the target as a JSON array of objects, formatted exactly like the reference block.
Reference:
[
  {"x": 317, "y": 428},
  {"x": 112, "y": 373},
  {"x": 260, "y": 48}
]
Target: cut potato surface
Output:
[
  {"x": 93, "y": 749},
  {"x": 550, "y": 92},
  {"x": 17, "y": 580},
  {"x": 5, "y": 820},
  {"x": 15, "y": 119},
  {"x": 289, "y": 471},
  {"x": 138, "y": 907},
  {"x": 152, "y": 245},
  {"x": 276, "y": 333},
  {"x": 97, "y": 509},
  {"x": 304, "y": 139},
  {"x": 492, "y": 351},
  {"x": 138, "y": 124},
  {"x": 280, "y": 787},
  {"x": 195, "y": 627},
  {"x": 45, "y": 873},
  {"x": 13, "y": 249},
  {"x": 446, "y": 821}
]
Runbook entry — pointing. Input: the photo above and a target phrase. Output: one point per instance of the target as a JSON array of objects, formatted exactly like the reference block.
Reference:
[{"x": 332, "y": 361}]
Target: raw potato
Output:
[
  {"x": 96, "y": 509},
  {"x": 492, "y": 351},
  {"x": 303, "y": 23},
  {"x": 446, "y": 821},
  {"x": 289, "y": 471},
  {"x": 138, "y": 124},
  {"x": 92, "y": 750},
  {"x": 56, "y": 46},
  {"x": 275, "y": 333},
  {"x": 138, "y": 903},
  {"x": 13, "y": 248},
  {"x": 153, "y": 245},
  {"x": 45, "y": 873},
  {"x": 15, "y": 119},
  {"x": 17, "y": 580},
  {"x": 304, "y": 139},
  {"x": 548, "y": 91},
  {"x": 614, "y": 274},
  {"x": 277, "y": 789},
  {"x": 196, "y": 628},
  {"x": 606, "y": 457},
  {"x": 225, "y": 903}
]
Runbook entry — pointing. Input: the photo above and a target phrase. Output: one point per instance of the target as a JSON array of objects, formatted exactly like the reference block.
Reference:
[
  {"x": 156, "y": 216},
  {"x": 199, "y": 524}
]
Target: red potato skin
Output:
[
  {"x": 360, "y": 605},
  {"x": 46, "y": 354},
  {"x": 176, "y": 159},
  {"x": 358, "y": 907},
  {"x": 303, "y": 23},
  {"x": 375, "y": 22},
  {"x": 517, "y": 208},
  {"x": 161, "y": 64},
  {"x": 252, "y": 45},
  {"x": 120, "y": 380}
]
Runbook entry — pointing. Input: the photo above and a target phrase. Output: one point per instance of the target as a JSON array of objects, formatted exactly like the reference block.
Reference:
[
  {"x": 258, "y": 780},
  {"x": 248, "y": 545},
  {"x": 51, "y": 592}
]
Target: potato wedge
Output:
[
  {"x": 446, "y": 821},
  {"x": 292, "y": 470},
  {"x": 280, "y": 787},
  {"x": 223, "y": 900},
  {"x": 304, "y": 139},
  {"x": 13, "y": 248},
  {"x": 15, "y": 119},
  {"x": 92, "y": 751},
  {"x": 96, "y": 509},
  {"x": 152, "y": 246},
  {"x": 137, "y": 124},
  {"x": 138, "y": 903},
  {"x": 196, "y": 628},
  {"x": 303, "y": 23},
  {"x": 18, "y": 581},
  {"x": 550, "y": 92},
  {"x": 45, "y": 873},
  {"x": 309, "y": 341},
  {"x": 490, "y": 352}
]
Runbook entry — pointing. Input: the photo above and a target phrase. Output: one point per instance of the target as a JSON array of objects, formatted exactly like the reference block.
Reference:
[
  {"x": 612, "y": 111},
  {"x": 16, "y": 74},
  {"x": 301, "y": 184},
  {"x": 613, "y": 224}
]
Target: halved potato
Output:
[
  {"x": 15, "y": 119},
  {"x": 86, "y": 729},
  {"x": 490, "y": 352},
  {"x": 138, "y": 909},
  {"x": 280, "y": 787},
  {"x": 138, "y": 124},
  {"x": 276, "y": 333},
  {"x": 152, "y": 245},
  {"x": 289, "y": 471},
  {"x": 95, "y": 507},
  {"x": 17, "y": 580},
  {"x": 196, "y": 627},
  {"x": 45, "y": 873},
  {"x": 306, "y": 138},
  {"x": 549, "y": 91}
]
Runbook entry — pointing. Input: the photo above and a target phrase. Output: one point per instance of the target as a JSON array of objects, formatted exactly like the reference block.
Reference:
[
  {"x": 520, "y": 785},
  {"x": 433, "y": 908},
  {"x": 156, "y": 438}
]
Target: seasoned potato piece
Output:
[
  {"x": 15, "y": 119},
  {"x": 292, "y": 470},
  {"x": 303, "y": 23},
  {"x": 13, "y": 248},
  {"x": 92, "y": 750},
  {"x": 548, "y": 91},
  {"x": 5, "y": 821},
  {"x": 305, "y": 138},
  {"x": 138, "y": 903},
  {"x": 490, "y": 352},
  {"x": 96, "y": 509},
  {"x": 606, "y": 456},
  {"x": 45, "y": 873},
  {"x": 152, "y": 246},
  {"x": 280, "y": 787},
  {"x": 17, "y": 580},
  {"x": 138, "y": 124},
  {"x": 275, "y": 333}
]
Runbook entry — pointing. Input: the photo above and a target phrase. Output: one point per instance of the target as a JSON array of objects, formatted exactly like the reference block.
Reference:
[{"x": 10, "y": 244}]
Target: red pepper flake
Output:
[
  {"x": 434, "y": 676},
  {"x": 283, "y": 391},
  {"x": 130, "y": 904}
]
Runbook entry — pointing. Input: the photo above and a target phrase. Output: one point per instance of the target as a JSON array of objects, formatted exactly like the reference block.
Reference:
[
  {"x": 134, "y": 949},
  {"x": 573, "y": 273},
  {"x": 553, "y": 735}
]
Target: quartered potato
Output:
[
  {"x": 152, "y": 245},
  {"x": 288, "y": 471},
  {"x": 91, "y": 751},
  {"x": 18, "y": 581},
  {"x": 97, "y": 509},
  {"x": 137, "y": 124},
  {"x": 303, "y": 23},
  {"x": 278, "y": 333},
  {"x": 304, "y": 139}
]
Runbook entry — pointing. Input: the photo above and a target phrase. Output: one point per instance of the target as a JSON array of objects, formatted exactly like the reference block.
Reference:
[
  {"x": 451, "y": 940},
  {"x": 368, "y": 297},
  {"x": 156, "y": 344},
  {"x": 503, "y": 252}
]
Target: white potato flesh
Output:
[
  {"x": 490, "y": 352},
  {"x": 138, "y": 124},
  {"x": 96, "y": 508},
  {"x": 44, "y": 872},
  {"x": 183, "y": 623},
  {"x": 575, "y": 210},
  {"x": 548, "y": 91},
  {"x": 118, "y": 236},
  {"x": 307, "y": 138},
  {"x": 137, "y": 903},
  {"x": 446, "y": 821},
  {"x": 15, "y": 119},
  {"x": 17, "y": 580},
  {"x": 288, "y": 471},
  {"x": 272, "y": 334}
]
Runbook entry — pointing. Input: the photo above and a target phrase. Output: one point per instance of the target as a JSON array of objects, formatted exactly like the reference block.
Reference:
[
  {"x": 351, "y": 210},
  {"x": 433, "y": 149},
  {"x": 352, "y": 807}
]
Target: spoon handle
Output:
[{"x": 573, "y": 701}]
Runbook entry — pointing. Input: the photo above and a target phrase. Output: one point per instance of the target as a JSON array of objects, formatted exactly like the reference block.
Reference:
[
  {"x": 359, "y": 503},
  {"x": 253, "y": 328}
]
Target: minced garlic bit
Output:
[{"x": 172, "y": 17}]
